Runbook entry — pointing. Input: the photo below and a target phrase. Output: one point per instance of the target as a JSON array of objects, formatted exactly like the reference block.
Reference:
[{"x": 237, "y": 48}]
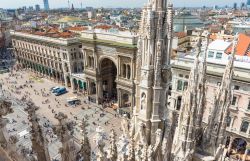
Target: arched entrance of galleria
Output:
[{"x": 108, "y": 75}]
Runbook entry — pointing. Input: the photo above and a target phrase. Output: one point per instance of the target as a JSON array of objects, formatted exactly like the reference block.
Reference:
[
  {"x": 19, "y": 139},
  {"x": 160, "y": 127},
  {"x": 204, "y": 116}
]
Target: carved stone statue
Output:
[
  {"x": 85, "y": 151},
  {"x": 99, "y": 139},
  {"x": 112, "y": 151},
  {"x": 64, "y": 131},
  {"x": 219, "y": 153},
  {"x": 143, "y": 101},
  {"x": 125, "y": 125}
]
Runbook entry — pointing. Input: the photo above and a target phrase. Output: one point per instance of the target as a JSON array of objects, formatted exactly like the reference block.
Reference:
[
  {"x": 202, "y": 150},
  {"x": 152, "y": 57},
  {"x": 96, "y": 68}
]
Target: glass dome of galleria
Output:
[{"x": 188, "y": 20}]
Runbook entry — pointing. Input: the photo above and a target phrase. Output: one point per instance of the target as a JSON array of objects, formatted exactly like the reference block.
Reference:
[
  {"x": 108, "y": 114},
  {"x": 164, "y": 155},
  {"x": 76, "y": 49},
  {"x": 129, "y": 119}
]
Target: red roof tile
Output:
[
  {"x": 180, "y": 34},
  {"x": 243, "y": 46},
  {"x": 77, "y": 28}
]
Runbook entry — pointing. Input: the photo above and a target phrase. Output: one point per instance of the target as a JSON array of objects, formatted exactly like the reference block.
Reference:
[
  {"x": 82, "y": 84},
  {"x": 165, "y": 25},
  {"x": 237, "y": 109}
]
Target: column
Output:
[
  {"x": 72, "y": 84},
  {"x": 57, "y": 77},
  {"x": 119, "y": 67},
  {"x": 230, "y": 144},
  {"x": 126, "y": 71},
  {"x": 88, "y": 87},
  {"x": 119, "y": 99},
  {"x": 99, "y": 92},
  {"x": 65, "y": 81},
  {"x": 131, "y": 70},
  {"x": 245, "y": 155},
  {"x": 232, "y": 122}
]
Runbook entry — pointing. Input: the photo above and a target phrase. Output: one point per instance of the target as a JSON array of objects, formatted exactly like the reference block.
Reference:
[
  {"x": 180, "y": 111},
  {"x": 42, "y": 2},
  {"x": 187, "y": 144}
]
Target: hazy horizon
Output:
[{"x": 113, "y": 3}]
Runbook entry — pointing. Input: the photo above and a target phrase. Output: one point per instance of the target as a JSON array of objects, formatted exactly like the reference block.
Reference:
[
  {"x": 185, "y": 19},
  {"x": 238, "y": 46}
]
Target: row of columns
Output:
[{"x": 42, "y": 71}]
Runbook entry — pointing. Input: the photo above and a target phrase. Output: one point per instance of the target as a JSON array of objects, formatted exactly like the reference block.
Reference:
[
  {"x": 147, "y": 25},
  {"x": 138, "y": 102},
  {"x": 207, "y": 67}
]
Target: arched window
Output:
[
  {"x": 75, "y": 67},
  {"x": 82, "y": 66},
  {"x": 89, "y": 61},
  {"x": 125, "y": 97},
  {"x": 178, "y": 104},
  {"x": 129, "y": 71},
  {"x": 185, "y": 85},
  {"x": 124, "y": 70},
  {"x": 92, "y": 62},
  {"x": 66, "y": 67}
]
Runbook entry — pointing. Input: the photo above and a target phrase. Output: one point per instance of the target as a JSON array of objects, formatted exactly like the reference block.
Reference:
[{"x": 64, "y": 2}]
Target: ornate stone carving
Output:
[
  {"x": 99, "y": 139},
  {"x": 85, "y": 151},
  {"x": 39, "y": 142},
  {"x": 64, "y": 131}
]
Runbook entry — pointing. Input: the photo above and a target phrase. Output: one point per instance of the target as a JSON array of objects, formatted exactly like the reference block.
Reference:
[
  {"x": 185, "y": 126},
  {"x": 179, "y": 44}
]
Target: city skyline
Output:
[{"x": 112, "y": 3}]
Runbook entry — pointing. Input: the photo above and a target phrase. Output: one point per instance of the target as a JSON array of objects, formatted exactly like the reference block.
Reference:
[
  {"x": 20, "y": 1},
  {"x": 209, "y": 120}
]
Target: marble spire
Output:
[
  {"x": 85, "y": 151},
  {"x": 215, "y": 132},
  {"x": 64, "y": 131},
  {"x": 39, "y": 142},
  {"x": 153, "y": 67},
  {"x": 191, "y": 112}
]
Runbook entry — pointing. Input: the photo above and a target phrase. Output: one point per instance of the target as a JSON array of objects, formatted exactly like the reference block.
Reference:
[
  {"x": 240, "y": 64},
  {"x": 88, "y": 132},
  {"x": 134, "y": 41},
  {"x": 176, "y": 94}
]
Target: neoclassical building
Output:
[
  {"x": 98, "y": 62},
  {"x": 238, "y": 123}
]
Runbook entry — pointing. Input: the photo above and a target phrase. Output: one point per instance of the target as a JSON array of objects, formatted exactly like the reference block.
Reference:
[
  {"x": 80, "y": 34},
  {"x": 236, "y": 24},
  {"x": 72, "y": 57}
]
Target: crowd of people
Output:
[{"x": 24, "y": 90}]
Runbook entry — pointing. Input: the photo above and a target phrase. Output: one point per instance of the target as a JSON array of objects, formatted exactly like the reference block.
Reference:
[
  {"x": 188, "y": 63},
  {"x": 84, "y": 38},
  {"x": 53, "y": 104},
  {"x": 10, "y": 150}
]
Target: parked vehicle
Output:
[
  {"x": 53, "y": 89},
  {"x": 73, "y": 101},
  {"x": 60, "y": 91}
]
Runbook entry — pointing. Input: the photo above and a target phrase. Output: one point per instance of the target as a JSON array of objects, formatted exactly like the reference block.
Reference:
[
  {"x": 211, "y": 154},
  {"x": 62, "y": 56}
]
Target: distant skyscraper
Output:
[
  {"x": 248, "y": 3},
  {"x": 242, "y": 5},
  {"x": 46, "y": 4},
  {"x": 235, "y": 6},
  {"x": 31, "y": 8},
  {"x": 24, "y": 8},
  {"x": 37, "y": 7}
]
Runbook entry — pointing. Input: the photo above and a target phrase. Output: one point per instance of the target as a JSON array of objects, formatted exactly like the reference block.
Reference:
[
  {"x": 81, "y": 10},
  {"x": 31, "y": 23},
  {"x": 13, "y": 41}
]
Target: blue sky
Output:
[{"x": 113, "y": 3}]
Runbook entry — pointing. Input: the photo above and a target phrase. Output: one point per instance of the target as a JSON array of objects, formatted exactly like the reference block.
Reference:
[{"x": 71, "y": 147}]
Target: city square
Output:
[{"x": 15, "y": 87}]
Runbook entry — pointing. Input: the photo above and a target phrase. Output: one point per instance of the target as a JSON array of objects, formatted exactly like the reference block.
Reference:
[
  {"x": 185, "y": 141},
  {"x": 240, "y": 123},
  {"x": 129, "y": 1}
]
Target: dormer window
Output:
[
  {"x": 218, "y": 55},
  {"x": 210, "y": 54},
  {"x": 234, "y": 101},
  {"x": 236, "y": 87},
  {"x": 248, "y": 107}
]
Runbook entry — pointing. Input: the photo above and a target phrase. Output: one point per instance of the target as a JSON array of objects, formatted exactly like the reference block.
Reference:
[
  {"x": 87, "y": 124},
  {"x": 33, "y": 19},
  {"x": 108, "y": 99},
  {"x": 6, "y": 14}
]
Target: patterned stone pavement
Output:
[{"x": 95, "y": 116}]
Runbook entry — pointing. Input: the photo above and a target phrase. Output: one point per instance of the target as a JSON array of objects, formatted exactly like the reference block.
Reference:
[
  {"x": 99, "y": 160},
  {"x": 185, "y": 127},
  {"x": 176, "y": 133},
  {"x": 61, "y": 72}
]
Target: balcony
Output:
[
  {"x": 236, "y": 131},
  {"x": 234, "y": 107},
  {"x": 247, "y": 111}
]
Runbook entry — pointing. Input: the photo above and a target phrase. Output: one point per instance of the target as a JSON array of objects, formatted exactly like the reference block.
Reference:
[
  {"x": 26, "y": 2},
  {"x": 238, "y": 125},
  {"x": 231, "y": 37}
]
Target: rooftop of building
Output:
[
  {"x": 220, "y": 45},
  {"x": 68, "y": 19},
  {"x": 243, "y": 46},
  {"x": 180, "y": 34},
  {"x": 52, "y": 32},
  {"x": 77, "y": 28}
]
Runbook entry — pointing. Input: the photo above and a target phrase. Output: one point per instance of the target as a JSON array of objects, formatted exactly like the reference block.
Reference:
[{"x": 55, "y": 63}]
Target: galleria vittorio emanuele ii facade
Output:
[{"x": 136, "y": 73}]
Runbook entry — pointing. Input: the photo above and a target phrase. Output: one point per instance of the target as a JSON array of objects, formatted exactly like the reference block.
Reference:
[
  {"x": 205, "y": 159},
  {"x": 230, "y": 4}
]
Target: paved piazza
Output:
[{"x": 27, "y": 83}]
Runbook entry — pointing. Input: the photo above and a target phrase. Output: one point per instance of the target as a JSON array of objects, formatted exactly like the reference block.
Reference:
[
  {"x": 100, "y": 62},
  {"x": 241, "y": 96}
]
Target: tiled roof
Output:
[
  {"x": 243, "y": 46},
  {"x": 77, "y": 28},
  {"x": 180, "y": 34},
  {"x": 213, "y": 37},
  {"x": 104, "y": 27},
  {"x": 51, "y": 32}
]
